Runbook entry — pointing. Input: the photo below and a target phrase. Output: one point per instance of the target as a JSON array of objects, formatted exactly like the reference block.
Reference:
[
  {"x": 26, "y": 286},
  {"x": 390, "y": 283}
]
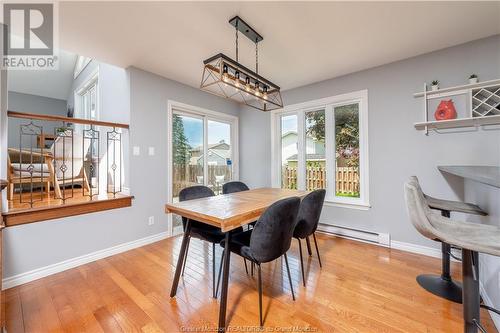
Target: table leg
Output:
[
  {"x": 180, "y": 259},
  {"x": 225, "y": 282}
]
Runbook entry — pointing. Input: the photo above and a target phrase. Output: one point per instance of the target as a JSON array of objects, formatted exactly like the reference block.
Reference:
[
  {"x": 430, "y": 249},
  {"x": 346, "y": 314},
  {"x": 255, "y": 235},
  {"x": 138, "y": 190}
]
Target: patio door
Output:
[{"x": 201, "y": 153}]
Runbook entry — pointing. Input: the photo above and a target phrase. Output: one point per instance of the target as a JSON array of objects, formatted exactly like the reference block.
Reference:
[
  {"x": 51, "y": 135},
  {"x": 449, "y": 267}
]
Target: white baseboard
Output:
[
  {"x": 41, "y": 272},
  {"x": 487, "y": 301},
  {"x": 418, "y": 249}
]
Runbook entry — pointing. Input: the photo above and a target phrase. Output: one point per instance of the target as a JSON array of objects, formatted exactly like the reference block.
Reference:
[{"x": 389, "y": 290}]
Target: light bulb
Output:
[{"x": 237, "y": 78}]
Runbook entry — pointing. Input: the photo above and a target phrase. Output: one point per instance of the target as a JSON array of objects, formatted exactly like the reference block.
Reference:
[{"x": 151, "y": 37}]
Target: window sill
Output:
[
  {"x": 18, "y": 216},
  {"x": 357, "y": 206}
]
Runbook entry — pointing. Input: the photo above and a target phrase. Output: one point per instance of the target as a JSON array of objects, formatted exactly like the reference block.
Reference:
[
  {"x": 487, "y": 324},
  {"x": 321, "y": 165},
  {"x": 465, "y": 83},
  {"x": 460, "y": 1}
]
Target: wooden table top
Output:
[{"x": 229, "y": 211}]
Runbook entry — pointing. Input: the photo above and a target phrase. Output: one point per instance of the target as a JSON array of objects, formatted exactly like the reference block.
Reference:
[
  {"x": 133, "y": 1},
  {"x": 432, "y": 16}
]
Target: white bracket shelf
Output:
[{"x": 483, "y": 106}]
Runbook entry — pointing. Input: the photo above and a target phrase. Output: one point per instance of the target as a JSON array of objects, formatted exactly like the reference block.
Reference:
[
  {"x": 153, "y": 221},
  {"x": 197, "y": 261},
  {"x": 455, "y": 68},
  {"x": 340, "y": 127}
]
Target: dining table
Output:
[{"x": 227, "y": 212}]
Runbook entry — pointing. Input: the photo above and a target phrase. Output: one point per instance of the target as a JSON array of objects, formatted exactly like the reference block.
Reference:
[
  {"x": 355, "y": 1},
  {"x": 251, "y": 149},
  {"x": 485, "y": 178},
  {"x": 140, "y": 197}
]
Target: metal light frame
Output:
[{"x": 228, "y": 78}]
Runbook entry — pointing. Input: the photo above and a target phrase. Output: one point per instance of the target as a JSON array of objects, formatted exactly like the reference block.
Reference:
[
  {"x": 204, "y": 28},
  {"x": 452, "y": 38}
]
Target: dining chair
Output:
[
  {"x": 269, "y": 240},
  {"x": 307, "y": 223},
  {"x": 201, "y": 230},
  {"x": 232, "y": 187}
]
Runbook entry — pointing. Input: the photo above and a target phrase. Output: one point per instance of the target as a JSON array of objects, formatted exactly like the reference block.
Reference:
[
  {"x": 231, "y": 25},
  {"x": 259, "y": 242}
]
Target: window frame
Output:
[
  {"x": 79, "y": 93},
  {"x": 328, "y": 104}
]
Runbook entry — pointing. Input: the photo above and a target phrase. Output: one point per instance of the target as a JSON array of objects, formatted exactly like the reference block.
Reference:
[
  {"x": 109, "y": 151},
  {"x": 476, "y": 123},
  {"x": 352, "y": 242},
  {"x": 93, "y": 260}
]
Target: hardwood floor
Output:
[{"x": 361, "y": 288}]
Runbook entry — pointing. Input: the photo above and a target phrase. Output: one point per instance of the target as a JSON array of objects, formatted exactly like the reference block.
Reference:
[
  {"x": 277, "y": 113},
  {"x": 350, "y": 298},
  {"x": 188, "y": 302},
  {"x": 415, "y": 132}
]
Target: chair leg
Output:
[
  {"x": 260, "y": 296},
  {"x": 218, "y": 276},
  {"x": 10, "y": 192},
  {"x": 301, "y": 263},
  {"x": 289, "y": 276},
  {"x": 317, "y": 250},
  {"x": 308, "y": 246},
  {"x": 214, "y": 294},
  {"x": 246, "y": 268},
  {"x": 185, "y": 255}
]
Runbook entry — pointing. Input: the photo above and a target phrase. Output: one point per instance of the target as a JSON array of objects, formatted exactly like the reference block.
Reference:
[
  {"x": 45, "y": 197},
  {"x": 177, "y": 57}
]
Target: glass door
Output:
[
  {"x": 202, "y": 154},
  {"x": 187, "y": 157},
  {"x": 219, "y": 155}
]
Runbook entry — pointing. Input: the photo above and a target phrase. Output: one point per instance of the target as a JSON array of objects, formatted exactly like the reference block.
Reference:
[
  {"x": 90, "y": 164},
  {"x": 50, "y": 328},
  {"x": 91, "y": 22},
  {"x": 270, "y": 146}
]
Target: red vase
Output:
[{"x": 445, "y": 111}]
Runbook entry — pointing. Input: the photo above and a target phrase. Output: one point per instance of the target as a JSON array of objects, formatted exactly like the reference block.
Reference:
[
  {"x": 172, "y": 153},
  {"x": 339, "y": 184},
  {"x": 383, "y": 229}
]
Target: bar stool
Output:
[
  {"x": 471, "y": 237},
  {"x": 443, "y": 285}
]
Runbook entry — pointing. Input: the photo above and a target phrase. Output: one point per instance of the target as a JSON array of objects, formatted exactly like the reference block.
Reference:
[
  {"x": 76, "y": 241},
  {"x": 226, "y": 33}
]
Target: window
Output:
[
  {"x": 323, "y": 144},
  {"x": 87, "y": 99},
  {"x": 202, "y": 151}
]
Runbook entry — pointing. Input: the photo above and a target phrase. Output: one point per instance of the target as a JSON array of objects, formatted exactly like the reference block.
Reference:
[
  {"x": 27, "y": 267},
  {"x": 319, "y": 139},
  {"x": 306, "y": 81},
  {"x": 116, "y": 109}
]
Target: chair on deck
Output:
[{"x": 60, "y": 165}]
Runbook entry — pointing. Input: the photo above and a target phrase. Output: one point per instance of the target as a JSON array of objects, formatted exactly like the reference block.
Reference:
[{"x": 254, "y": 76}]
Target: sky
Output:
[
  {"x": 193, "y": 129},
  {"x": 289, "y": 123}
]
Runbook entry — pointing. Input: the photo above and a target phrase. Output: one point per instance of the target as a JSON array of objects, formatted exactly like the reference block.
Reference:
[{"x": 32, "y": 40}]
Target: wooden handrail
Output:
[{"x": 15, "y": 114}]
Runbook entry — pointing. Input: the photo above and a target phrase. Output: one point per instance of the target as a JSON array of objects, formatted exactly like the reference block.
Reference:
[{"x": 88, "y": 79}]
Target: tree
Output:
[
  {"x": 346, "y": 131},
  {"x": 181, "y": 147}
]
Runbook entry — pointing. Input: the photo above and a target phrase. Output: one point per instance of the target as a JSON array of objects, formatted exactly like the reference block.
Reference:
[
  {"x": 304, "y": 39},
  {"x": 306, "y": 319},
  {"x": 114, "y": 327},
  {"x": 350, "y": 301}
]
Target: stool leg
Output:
[
  {"x": 442, "y": 286},
  {"x": 471, "y": 298}
]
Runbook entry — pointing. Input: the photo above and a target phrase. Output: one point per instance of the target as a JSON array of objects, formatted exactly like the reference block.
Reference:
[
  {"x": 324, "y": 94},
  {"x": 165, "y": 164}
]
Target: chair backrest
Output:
[
  {"x": 194, "y": 192},
  {"x": 309, "y": 213},
  {"x": 418, "y": 209},
  {"x": 235, "y": 186},
  {"x": 69, "y": 155},
  {"x": 272, "y": 234}
]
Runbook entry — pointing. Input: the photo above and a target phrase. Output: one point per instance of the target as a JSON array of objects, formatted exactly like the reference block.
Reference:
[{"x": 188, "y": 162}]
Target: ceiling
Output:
[
  {"x": 31, "y": 82},
  {"x": 303, "y": 42}
]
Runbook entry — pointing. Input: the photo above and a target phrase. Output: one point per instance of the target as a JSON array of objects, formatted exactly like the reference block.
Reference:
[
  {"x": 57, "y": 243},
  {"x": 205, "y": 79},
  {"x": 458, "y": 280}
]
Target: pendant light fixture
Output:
[{"x": 228, "y": 78}]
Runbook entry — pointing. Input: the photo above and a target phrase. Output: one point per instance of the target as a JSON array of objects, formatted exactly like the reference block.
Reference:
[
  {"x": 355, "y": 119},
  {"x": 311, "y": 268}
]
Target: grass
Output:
[{"x": 347, "y": 195}]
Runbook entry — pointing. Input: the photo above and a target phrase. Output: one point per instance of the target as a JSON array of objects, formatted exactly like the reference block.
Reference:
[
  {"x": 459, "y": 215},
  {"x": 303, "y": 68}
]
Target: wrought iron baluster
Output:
[
  {"x": 92, "y": 135},
  {"x": 32, "y": 131},
  {"x": 113, "y": 139},
  {"x": 63, "y": 135}
]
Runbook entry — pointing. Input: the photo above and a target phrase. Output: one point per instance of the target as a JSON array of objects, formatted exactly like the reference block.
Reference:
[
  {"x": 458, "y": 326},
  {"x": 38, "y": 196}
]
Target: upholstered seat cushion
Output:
[
  {"x": 37, "y": 167},
  {"x": 240, "y": 244},
  {"x": 207, "y": 232},
  {"x": 26, "y": 174}
]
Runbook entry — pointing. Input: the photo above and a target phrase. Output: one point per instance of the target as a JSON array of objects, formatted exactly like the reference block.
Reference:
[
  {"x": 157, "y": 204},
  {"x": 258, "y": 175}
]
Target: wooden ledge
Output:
[{"x": 30, "y": 215}]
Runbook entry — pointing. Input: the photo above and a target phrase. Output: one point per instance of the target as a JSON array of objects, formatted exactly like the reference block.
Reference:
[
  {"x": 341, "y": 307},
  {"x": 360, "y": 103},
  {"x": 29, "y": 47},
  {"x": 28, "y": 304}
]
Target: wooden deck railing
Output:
[
  {"x": 346, "y": 179},
  {"x": 189, "y": 175}
]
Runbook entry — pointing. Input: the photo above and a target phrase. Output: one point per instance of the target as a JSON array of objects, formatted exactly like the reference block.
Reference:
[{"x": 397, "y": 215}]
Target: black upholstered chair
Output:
[
  {"x": 269, "y": 239},
  {"x": 201, "y": 230},
  {"x": 234, "y": 186},
  {"x": 307, "y": 223}
]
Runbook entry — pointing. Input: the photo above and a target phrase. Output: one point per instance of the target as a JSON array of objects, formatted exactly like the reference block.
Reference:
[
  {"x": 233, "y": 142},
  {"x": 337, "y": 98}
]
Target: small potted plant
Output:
[
  {"x": 435, "y": 85},
  {"x": 473, "y": 79}
]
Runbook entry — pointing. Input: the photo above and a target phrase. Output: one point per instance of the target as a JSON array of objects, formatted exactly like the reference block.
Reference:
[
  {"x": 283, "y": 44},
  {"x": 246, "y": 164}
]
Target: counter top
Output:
[{"x": 489, "y": 175}]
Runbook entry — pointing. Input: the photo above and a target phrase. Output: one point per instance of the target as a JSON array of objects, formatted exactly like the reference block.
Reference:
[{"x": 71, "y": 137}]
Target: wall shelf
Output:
[
  {"x": 480, "y": 105},
  {"x": 458, "y": 123}
]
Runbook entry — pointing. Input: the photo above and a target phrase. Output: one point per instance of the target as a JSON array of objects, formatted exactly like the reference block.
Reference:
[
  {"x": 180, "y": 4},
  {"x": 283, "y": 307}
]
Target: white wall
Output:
[{"x": 397, "y": 150}]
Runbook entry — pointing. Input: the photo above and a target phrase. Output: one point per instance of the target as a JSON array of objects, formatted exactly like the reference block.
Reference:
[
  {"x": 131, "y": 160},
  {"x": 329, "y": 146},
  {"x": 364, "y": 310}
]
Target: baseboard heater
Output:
[{"x": 356, "y": 234}]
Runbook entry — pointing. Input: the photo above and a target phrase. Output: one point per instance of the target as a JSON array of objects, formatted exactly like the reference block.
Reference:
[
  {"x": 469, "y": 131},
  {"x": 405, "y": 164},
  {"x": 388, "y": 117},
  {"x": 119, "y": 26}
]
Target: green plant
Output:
[
  {"x": 435, "y": 82},
  {"x": 473, "y": 76}
]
